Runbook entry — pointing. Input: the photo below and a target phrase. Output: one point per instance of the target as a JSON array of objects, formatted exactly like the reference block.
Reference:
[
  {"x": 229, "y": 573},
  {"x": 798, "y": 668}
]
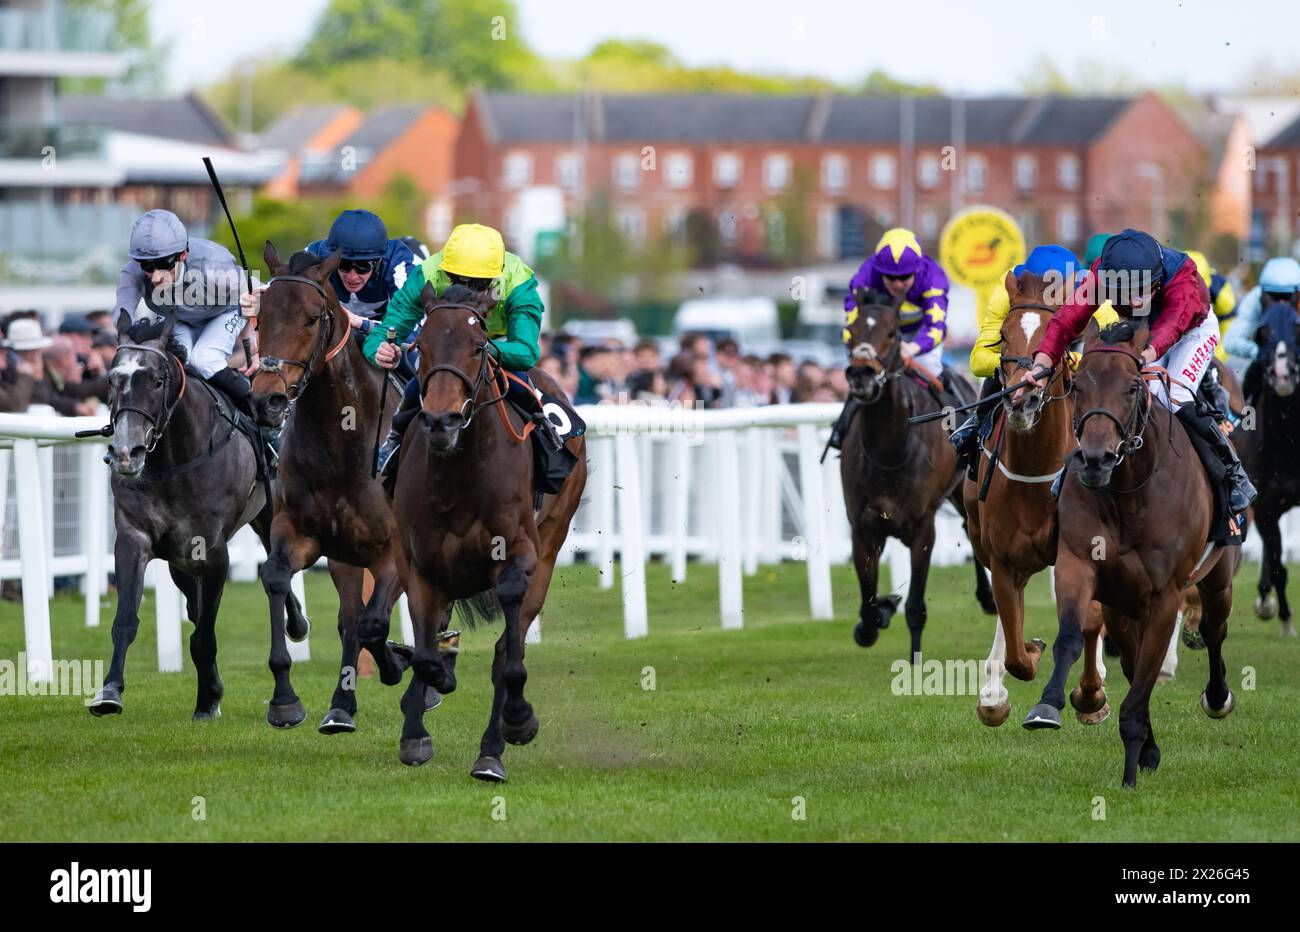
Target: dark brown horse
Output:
[
  {"x": 326, "y": 501},
  {"x": 1135, "y": 513},
  {"x": 895, "y": 474},
  {"x": 1013, "y": 530},
  {"x": 465, "y": 521}
]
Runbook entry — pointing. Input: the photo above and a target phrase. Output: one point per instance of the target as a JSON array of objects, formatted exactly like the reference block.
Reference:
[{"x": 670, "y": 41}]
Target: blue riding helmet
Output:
[
  {"x": 1049, "y": 258},
  {"x": 1280, "y": 275},
  {"x": 359, "y": 234},
  {"x": 1133, "y": 251}
]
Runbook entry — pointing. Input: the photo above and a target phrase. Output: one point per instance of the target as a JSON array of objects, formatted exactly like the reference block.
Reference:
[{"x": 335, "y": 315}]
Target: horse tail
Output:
[{"x": 483, "y": 607}]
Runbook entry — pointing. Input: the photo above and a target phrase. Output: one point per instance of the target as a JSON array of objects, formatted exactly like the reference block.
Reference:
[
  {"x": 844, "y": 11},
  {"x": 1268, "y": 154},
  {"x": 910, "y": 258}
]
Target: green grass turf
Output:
[{"x": 740, "y": 723}]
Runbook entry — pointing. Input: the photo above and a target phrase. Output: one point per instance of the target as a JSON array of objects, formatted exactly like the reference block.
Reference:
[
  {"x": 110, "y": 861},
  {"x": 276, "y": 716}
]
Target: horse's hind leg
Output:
[
  {"x": 921, "y": 550},
  {"x": 983, "y": 591},
  {"x": 211, "y": 583},
  {"x": 290, "y": 552},
  {"x": 376, "y": 619},
  {"x": 343, "y": 705},
  {"x": 1140, "y": 749},
  {"x": 296, "y": 624},
  {"x": 518, "y": 721},
  {"x": 130, "y": 556},
  {"x": 1271, "y": 569},
  {"x": 428, "y": 605},
  {"x": 1216, "y": 605}
]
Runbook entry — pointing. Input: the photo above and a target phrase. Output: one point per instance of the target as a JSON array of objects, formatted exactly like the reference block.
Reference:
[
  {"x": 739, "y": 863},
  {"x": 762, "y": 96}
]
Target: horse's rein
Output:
[
  {"x": 276, "y": 365},
  {"x": 157, "y": 425},
  {"x": 475, "y": 385},
  {"x": 1129, "y": 442}
]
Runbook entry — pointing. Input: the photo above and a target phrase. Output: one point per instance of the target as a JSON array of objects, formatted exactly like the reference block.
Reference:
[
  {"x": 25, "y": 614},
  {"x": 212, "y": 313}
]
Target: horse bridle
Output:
[
  {"x": 275, "y": 364},
  {"x": 471, "y": 405},
  {"x": 157, "y": 422},
  {"x": 1130, "y": 442},
  {"x": 1027, "y": 362},
  {"x": 892, "y": 366}
]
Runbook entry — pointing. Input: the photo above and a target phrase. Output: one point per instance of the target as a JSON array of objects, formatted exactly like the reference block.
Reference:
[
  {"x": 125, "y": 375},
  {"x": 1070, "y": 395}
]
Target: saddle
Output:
[{"x": 552, "y": 462}]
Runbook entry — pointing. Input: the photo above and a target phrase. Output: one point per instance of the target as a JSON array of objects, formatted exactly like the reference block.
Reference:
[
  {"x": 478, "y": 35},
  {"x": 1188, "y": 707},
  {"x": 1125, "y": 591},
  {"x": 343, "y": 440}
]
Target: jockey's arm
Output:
[
  {"x": 1185, "y": 300},
  {"x": 1068, "y": 322},
  {"x": 518, "y": 350},
  {"x": 130, "y": 290},
  {"x": 402, "y": 314},
  {"x": 934, "y": 302},
  {"x": 984, "y": 355}
]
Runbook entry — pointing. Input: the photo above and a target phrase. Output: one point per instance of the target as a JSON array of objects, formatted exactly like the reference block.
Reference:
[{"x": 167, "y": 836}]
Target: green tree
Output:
[{"x": 131, "y": 34}]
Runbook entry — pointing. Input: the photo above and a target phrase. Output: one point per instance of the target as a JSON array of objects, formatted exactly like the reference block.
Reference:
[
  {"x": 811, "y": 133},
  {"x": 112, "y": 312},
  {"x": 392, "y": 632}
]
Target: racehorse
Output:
[
  {"x": 1122, "y": 545},
  {"x": 181, "y": 489},
  {"x": 1270, "y": 452},
  {"x": 464, "y": 504},
  {"x": 895, "y": 474},
  {"x": 326, "y": 501},
  {"x": 1013, "y": 529}
]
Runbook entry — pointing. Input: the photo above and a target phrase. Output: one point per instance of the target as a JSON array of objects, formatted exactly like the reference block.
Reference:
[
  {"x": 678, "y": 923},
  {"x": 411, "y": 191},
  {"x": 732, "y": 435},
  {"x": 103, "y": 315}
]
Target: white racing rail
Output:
[{"x": 738, "y": 488}]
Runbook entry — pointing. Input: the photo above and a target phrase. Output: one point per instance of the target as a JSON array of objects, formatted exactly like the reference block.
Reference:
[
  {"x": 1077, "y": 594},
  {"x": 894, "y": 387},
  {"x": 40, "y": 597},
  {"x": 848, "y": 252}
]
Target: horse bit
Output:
[
  {"x": 1129, "y": 442},
  {"x": 471, "y": 405}
]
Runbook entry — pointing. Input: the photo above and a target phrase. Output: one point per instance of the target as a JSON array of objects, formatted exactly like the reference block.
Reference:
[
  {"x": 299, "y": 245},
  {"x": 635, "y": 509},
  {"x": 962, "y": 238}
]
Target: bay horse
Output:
[
  {"x": 465, "y": 521},
  {"x": 1121, "y": 544},
  {"x": 181, "y": 489},
  {"x": 896, "y": 475},
  {"x": 1013, "y": 529},
  {"x": 326, "y": 502},
  {"x": 1271, "y": 451}
]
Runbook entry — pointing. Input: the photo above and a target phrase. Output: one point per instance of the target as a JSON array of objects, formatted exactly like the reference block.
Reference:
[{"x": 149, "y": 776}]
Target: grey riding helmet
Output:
[{"x": 157, "y": 234}]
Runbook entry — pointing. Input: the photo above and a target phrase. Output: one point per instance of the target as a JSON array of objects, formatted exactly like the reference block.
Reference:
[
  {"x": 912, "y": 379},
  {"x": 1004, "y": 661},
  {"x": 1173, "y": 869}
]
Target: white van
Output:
[{"x": 750, "y": 322}]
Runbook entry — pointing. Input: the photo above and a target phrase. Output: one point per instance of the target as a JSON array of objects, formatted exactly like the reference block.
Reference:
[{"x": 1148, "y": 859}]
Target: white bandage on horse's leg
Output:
[{"x": 994, "y": 691}]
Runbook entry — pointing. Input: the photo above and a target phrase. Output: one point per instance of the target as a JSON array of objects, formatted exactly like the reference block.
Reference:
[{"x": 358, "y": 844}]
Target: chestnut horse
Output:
[
  {"x": 326, "y": 501},
  {"x": 1013, "y": 530},
  {"x": 895, "y": 474},
  {"x": 1122, "y": 544},
  {"x": 465, "y": 521}
]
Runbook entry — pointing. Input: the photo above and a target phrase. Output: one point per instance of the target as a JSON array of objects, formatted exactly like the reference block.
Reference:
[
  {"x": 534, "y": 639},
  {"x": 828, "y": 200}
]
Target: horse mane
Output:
[
  {"x": 870, "y": 297},
  {"x": 458, "y": 294},
  {"x": 150, "y": 330},
  {"x": 1120, "y": 331}
]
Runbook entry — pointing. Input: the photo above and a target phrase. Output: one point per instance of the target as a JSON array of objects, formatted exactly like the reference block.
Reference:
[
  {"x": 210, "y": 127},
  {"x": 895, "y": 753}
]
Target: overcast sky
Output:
[{"x": 971, "y": 47}]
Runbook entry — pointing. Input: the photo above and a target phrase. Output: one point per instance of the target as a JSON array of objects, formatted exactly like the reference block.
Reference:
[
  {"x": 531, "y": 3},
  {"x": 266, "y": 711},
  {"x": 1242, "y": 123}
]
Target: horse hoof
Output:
[
  {"x": 1163, "y": 677},
  {"x": 488, "y": 769},
  {"x": 523, "y": 732},
  {"x": 298, "y": 632},
  {"x": 1042, "y": 716},
  {"x": 888, "y": 607},
  {"x": 1265, "y": 607},
  {"x": 1039, "y": 643},
  {"x": 1192, "y": 639},
  {"x": 1094, "y": 718},
  {"x": 286, "y": 716},
  {"x": 432, "y": 698},
  {"x": 1288, "y": 629},
  {"x": 207, "y": 715},
  {"x": 865, "y": 635},
  {"x": 1219, "y": 713},
  {"x": 994, "y": 715},
  {"x": 336, "y": 722},
  {"x": 106, "y": 702},
  {"x": 415, "y": 751}
]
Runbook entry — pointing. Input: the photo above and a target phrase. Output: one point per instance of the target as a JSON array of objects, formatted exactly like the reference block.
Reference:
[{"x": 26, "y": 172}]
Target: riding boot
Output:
[
  {"x": 965, "y": 438},
  {"x": 841, "y": 427},
  {"x": 1241, "y": 492},
  {"x": 1217, "y": 396},
  {"x": 548, "y": 430},
  {"x": 240, "y": 391},
  {"x": 405, "y": 413}
]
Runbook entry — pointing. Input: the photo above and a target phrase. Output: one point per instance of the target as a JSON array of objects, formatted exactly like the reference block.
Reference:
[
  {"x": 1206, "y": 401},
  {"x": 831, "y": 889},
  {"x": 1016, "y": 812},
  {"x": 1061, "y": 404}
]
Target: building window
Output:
[
  {"x": 1026, "y": 170},
  {"x": 631, "y": 225},
  {"x": 728, "y": 229},
  {"x": 827, "y": 232},
  {"x": 929, "y": 224},
  {"x": 1067, "y": 225},
  {"x": 835, "y": 173},
  {"x": 977, "y": 173},
  {"x": 627, "y": 171},
  {"x": 927, "y": 170},
  {"x": 679, "y": 169},
  {"x": 726, "y": 169},
  {"x": 675, "y": 223},
  {"x": 883, "y": 170},
  {"x": 517, "y": 169},
  {"x": 568, "y": 170},
  {"x": 1067, "y": 172},
  {"x": 774, "y": 223},
  {"x": 776, "y": 172}
]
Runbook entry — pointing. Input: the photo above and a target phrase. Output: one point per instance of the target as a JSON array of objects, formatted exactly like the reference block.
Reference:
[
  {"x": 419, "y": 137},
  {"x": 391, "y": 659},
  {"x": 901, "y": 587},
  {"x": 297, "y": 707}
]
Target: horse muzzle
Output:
[
  {"x": 1096, "y": 469},
  {"x": 864, "y": 384},
  {"x": 442, "y": 430},
  {"x": 126, "y": 459},
  {"x": 271, "y": 409}
]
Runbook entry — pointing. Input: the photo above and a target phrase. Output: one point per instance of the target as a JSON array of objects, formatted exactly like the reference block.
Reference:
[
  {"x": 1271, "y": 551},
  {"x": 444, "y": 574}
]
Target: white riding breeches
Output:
[
  {"x": 932, "y": 359},
  {"x": 210, "y": 343},
  {"x": 1187, "y": 362}
]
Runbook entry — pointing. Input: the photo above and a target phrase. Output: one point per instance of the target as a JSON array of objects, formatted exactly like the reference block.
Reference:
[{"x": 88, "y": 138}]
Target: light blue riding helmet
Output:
[{"x": 1280, "y": 275}]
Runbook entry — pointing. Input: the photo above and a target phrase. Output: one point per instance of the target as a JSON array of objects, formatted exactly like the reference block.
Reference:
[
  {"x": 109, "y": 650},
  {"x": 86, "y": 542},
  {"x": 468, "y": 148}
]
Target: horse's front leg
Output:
[
  {"x": 343, "y": 705},
  {"x": 922, "y": 549},
  {"x": 131, "y": 554},
  {"x": 296, "y": 625},
  {"x": 210, "y": 584},
  {"x": 290, "y": 552},
  {"x": 518, "y": 721},
  {"x": 376, "y": 618},
  {"x": 1089, "y": 697},
  {"x": 1140, "y": 748},
  {"x": 429, "y": 605},
  {"x": 872, "y": 616},
  {"x": 1075, "y": 585}
]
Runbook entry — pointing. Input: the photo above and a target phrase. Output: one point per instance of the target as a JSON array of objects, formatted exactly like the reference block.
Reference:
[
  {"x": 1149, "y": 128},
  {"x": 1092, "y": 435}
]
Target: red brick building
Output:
[
  {"x": 1275, "y": 226},
  {"x": 744, "y": 168}
]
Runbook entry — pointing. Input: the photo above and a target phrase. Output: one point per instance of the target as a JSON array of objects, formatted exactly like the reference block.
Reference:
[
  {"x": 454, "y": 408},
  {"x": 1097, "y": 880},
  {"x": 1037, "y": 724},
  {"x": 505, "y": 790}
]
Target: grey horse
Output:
[{"x": 185, "y": 479}]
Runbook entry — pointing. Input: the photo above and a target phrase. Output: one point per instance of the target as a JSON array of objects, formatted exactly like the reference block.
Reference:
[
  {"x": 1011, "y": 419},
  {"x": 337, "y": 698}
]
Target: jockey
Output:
[
  {"x": 475, "y": 257},
  {"x": 902, "y": 269},
  {"x": 985, "y": 355},
  {"x": 199, "y": 283},
  {"x": 1279, "y": 280},
  {"x": 1222, "y": 298},
  {"x": 1143, "y": 280},
  {"x": 372, "y": 269},
  {"x": 1092, "y": 252}
]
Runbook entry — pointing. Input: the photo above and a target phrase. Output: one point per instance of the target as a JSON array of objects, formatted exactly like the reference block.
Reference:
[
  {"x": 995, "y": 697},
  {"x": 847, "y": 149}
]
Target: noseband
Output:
[
  {"x": 1027, "y": 362},
  {"x": 891, "y": 369},
  {"x": 474, "y": 385},
  {"x": 157, "y": 423},
  {"x": 1131, "y": 432},
  {"x": 275, "y": 365}
]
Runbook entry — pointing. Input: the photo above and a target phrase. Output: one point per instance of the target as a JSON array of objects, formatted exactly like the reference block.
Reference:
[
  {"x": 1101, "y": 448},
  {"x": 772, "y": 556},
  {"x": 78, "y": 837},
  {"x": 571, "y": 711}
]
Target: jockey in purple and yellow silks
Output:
[{"x": 899, "y": 267}]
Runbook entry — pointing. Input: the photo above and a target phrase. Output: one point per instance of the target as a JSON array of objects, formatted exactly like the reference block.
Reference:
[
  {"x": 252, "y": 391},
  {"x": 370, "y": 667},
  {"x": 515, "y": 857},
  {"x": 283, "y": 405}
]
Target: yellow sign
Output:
[{"x": 977, "y": 247}]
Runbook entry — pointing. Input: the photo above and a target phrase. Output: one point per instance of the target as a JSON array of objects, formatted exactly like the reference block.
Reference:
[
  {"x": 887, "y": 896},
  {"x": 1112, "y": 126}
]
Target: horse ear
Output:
[
  {"x": 1012, "y": 285},
  {"x": 428, "y": 297},
  {"x": 1092, "y": 332},
  {"x": 1141, "y": 334},
  {"x": 168, "y": 325},
  {"x": 123, "y": 323},
  {"x": 325, "y": 269},
  {"x": 272, "y": 259}
]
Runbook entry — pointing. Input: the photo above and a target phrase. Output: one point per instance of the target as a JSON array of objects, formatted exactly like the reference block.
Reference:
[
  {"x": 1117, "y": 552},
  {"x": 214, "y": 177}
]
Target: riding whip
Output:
[
  {"x": 935, "y": 415},
  {"x": 390, "y": 338}
]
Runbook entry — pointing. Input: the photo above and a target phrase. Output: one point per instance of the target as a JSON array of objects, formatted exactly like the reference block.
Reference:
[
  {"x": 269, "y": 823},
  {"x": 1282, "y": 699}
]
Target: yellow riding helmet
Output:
[
  {"x": 1202, "y": 265},
  {"x": 474, "y": 251}
]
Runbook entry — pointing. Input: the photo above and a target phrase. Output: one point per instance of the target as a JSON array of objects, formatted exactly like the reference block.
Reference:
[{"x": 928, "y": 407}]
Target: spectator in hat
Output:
[
  {"x": 80, "y": 332},
  {"x": 64, "y": 389},
  {"x": 17, "y": 381}
]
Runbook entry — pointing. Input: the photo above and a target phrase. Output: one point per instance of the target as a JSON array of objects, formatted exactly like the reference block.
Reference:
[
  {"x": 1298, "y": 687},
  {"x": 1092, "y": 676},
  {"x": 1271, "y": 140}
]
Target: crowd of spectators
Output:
[
  {"x": 699, "y": 374},
  {"x": 66, "y": 369}
]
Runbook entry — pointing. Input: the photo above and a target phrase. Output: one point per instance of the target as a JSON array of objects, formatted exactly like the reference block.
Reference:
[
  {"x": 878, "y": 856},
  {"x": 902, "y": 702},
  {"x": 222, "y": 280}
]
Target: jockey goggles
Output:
[
  {"x": 358, "y": 266},
  {"x": 149, "y": 266}
]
